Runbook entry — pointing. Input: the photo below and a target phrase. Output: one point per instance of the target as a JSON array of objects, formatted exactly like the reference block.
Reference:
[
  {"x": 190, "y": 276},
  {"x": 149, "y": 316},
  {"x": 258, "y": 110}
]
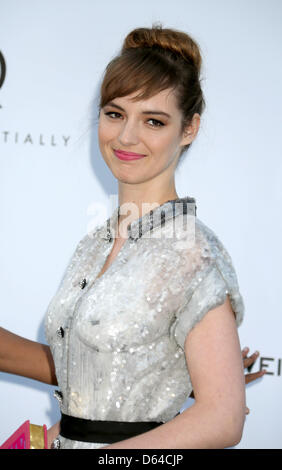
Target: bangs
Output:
[{"x": 142, "y": 69}]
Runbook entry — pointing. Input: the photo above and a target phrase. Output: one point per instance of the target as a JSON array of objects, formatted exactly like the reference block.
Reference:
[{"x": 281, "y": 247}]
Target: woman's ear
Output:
[{"x": 191, "y": 130}]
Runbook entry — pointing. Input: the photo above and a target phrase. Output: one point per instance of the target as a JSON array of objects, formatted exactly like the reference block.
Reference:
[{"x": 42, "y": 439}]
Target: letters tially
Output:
[{"x": 30, "y": 139}]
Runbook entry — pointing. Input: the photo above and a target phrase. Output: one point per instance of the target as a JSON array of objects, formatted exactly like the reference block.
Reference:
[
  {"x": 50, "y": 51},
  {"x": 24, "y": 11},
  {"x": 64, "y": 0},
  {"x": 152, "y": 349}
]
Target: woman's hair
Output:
[{"x": 152, "y": 60}]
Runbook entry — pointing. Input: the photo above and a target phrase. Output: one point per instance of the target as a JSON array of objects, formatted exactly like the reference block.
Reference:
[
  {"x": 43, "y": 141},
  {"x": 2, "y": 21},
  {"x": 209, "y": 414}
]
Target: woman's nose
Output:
[{"x": 128, "y": 134}]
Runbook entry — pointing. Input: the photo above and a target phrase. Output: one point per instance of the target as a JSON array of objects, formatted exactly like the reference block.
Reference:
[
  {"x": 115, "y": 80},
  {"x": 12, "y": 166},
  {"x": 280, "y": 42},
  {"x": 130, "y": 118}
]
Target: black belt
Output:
[{"x": 86, "y": 430}]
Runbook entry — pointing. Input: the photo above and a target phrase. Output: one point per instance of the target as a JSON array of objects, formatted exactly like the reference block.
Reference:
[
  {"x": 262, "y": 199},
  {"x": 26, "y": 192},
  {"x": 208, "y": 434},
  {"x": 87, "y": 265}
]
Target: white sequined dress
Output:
[{"x": 118, "y": 340}]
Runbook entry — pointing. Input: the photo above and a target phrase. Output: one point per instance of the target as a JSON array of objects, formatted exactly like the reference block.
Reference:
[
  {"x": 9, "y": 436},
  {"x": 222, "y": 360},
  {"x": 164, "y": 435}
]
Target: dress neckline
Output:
[{"x": 150, "y": 220}]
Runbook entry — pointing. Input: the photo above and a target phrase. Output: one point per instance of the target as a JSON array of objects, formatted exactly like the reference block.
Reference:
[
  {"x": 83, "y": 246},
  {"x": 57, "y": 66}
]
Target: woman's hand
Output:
[{"x": 247, "y": 362}]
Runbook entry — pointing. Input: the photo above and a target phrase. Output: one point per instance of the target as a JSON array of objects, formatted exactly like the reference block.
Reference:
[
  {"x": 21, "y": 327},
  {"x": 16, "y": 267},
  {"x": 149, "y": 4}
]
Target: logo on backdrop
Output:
[
  {"x": 2, "y": 70},
  {"x": 271, "y": 364},
  {"x": 50, "y": 140},
  {"x": 15, "y": 137}
]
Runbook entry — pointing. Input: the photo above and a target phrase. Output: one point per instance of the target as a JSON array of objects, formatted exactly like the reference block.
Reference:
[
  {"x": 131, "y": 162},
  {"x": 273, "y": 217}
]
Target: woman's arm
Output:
[
  {"x": 216, "y": 419},
  {"x": 52, "y": 433},
  {"x": 27, "y": 358},
  {"x": 216, "y": 370},
  {"x": 247, "y": 362}
]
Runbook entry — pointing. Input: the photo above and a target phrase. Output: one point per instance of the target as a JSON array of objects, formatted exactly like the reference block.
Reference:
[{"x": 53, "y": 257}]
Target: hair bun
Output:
[{"x": 173, "y": 40}]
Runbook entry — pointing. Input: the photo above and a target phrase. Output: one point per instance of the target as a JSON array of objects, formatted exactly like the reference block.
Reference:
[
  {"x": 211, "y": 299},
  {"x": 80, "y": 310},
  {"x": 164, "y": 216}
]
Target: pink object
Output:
[{"x": 21, "y": 438}]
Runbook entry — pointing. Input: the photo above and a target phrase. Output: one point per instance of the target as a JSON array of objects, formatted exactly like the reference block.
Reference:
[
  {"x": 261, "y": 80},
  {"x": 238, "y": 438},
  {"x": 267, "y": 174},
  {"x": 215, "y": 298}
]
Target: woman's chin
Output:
[{"x": 127, "y": 175}]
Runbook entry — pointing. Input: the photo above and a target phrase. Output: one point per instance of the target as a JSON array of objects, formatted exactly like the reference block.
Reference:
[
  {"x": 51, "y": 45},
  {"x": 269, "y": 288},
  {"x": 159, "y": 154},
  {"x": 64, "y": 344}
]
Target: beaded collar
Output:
[{"x": 154, "y": 218}]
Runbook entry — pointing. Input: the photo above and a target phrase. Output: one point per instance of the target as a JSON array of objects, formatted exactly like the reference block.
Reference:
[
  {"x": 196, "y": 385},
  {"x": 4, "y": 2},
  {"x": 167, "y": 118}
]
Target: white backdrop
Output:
[{"x": 51, "y": 170}]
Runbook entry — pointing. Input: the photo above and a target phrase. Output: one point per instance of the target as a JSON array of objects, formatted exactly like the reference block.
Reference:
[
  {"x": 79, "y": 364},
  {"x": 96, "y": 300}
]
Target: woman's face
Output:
[{"x": 150, "y": 127}]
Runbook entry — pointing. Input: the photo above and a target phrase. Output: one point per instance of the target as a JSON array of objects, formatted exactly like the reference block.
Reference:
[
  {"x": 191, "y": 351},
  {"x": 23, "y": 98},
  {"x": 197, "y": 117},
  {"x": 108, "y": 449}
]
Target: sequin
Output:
[{"x": 122, "y": 357}]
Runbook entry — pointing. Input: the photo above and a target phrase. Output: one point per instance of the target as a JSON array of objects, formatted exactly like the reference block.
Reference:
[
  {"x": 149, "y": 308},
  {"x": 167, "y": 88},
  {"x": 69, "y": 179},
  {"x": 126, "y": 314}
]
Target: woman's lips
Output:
[{"x": 128, "y": 155}]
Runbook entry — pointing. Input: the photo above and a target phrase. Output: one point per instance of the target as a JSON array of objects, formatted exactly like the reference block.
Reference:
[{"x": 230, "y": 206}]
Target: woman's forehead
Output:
[{"x": 163, "y": 99}]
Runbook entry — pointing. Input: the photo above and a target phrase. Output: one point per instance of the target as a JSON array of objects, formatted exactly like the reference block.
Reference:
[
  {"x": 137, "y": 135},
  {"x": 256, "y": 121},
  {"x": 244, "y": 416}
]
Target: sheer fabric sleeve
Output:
[{"x": 218, "y": 280}]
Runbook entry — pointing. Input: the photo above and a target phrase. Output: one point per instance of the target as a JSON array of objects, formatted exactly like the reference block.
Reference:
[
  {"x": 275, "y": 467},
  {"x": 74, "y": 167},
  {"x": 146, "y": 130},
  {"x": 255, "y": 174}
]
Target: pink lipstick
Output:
[{"x": 128, "y": 155}]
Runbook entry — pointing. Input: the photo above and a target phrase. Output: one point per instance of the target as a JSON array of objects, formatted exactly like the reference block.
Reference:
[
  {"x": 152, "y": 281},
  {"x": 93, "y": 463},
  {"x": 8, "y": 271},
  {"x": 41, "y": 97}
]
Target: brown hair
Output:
[{"x": 152, "y": 60}]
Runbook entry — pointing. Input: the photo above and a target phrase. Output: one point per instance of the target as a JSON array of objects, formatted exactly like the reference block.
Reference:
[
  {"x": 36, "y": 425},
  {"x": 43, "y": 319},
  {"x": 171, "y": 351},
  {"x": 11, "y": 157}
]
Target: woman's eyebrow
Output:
[{"x": 111, "y": 103}]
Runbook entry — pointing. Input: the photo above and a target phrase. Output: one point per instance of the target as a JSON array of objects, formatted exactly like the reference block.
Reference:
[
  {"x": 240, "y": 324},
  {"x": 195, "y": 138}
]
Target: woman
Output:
[{"x": 147, "y": 307}]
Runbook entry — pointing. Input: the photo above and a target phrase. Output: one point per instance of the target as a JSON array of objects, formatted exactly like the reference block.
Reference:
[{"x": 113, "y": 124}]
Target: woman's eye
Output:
[
  {"x": 110, "y": 113},
  {"x": 116, "y": 115},
  {"x": 156, "y": 123}
]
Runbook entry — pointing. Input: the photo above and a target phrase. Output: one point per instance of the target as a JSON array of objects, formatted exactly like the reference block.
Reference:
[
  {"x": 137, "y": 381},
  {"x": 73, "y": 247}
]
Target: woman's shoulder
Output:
[
  {"x": 200, "y": 249},
  {"x": 195, "y": 237},
  {"x": 206, "y": 237},
  {"x": 213, "y": 278},
  {"x": 85, "y": 246},
  {"x": 215, "y": 249},
  {"x": 90, "y": 238}
]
